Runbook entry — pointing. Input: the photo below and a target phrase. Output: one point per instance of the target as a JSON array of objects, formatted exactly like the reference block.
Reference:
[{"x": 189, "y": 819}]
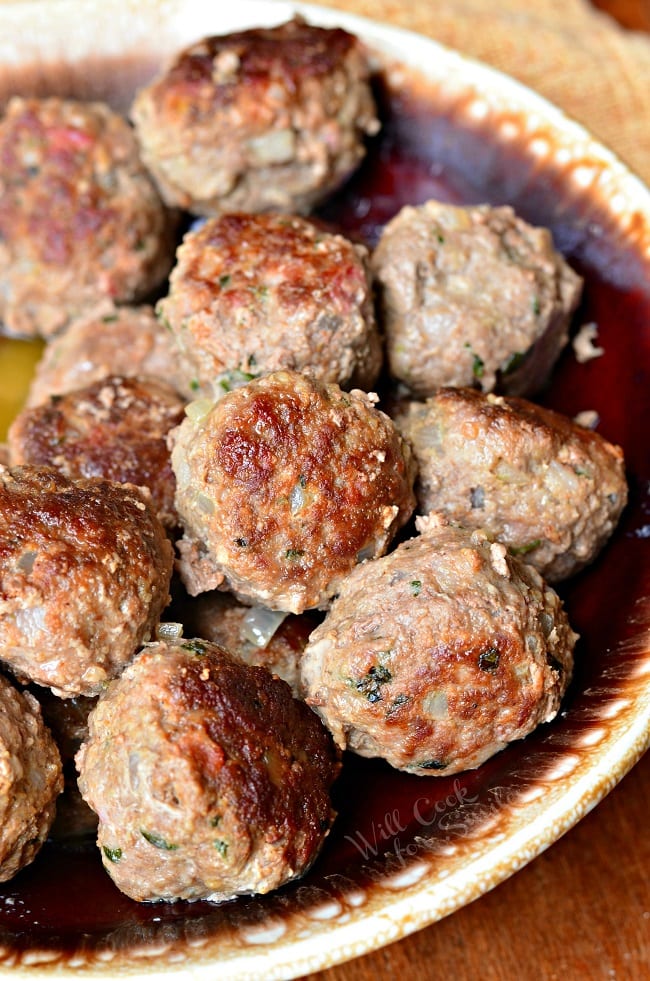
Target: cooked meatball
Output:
[
  {"x": 80, "y": 219},
  {"x": 85, "y": 568},
  {"x": 549, "y": 489},
  {"x": 209, "y": 779},
  {"x": 253, "y": 634},
  {"x": 283, "y": 486},
  {"x": 109, "y": 340},
  {"x": 115, "y": 428},
  {"x": 265, "y": 119},
  {"x": 256, "y": 293},
  {"x": 438, "y": 655},
  {"x": 67, "y": 720},
  {"x": 472, "y": 296},
  {"x": 30, "y": 779}
]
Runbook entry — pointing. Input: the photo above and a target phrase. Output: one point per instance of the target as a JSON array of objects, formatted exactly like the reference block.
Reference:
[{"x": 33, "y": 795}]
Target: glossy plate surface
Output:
[{"x": 405, "y": 851}]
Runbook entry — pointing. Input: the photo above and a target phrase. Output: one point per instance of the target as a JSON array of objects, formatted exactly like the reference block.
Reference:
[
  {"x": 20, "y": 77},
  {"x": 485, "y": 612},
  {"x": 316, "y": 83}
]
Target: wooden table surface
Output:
[{"x": 580, "y": 911}]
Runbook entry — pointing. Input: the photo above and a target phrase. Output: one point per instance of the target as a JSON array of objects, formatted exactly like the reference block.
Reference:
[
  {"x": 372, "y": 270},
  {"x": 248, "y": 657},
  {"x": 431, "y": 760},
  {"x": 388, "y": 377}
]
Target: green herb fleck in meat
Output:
[
  {"x": 525, "y": 549},
  {"x": 235, "y": 379},
  {"x": 157, "y": 840},
  {"x": 433, "y": 765},
  {"x": 294, "y": 553},
  {"x": 416, "y": 586},
  {"x": 112, "y": 854},
  {"x": 478, "y": 364},
  {"x": 370, "y": 684},
  {"x": 195, "y": 646},
  {"x": 513, "y": 362},
  {"x": 221, "y": 846},
  {"x": 224, "y": 281},
  {"x": 489, "y": 660}
]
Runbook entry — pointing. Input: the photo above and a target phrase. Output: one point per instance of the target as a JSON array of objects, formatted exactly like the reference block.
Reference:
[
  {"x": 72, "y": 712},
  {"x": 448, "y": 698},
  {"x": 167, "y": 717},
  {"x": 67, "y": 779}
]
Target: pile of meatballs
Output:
[{"x": 203, "y": 424}]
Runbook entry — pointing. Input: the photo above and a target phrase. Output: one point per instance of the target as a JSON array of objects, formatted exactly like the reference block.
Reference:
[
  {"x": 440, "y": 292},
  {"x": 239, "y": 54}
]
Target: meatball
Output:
[
  {"x": 253, "y": 634},
  {"x": 109, "y": 340},
  {"x": 265, "y": 119},
  {"x": 283, "y": 486},
  {"x": 257, "y": 293},
  {"x": 472, "y": 296},
  {"x": 30, "y": 779},
  {"x": 85, "y": 568},
  {"x": 115, "y": 428},
  {"x": 209, "y": 779},
  {"x": 80, "y": 219},
  {"x": 67, "y": 720},
  {"x": 549, "y": 489},
  {"x": 438, "y": 655}
]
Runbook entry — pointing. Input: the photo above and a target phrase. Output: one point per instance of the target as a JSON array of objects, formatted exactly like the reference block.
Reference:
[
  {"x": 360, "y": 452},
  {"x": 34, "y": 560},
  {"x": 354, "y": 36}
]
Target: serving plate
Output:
[{"x": 405, "y": 851}]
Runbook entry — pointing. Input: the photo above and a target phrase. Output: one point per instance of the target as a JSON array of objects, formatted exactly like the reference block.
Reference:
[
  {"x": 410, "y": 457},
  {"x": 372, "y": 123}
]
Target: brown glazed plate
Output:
[{"x": 405, "y": 851}]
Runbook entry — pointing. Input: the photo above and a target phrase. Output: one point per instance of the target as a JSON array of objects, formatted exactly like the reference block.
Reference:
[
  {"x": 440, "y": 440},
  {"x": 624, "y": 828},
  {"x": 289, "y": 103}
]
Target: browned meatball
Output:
[
  {"x": 550, "y": 489},
  {"x": 472, "y": 296},
  {"x": 80, "y": 219},
  {"x": 439, "y": 654},
  {"x": 256, "y": 293},
  {"x": 283, "y": 486},
  {"x": 209, "y": 779},
  {"x": 67, "y": 720},
  {"x": 109, "y": 340},
  {"x": 255, "y": 635},
  {"x": 115, "y": 428},
  {"x": 85, "y": 568},
  {"x": 265, "y": 119},
  {"x": 30, "y": 779}
]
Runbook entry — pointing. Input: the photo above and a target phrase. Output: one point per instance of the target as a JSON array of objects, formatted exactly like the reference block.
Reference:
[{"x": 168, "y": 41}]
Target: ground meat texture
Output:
[
  {"x": 266, "y": 119},
  {"x": 115, "y": 428},
  {"x": 283, "y": 486},
  {"x": 438, "y": 655},
  {"x": 80, "y": 218},
  {"x": 549, "y": 489},
  {"x": 30, "y": 779},
  {"x": 85, "y": 568},
  {"x": 254, "y": 634},
  {"x": 109, "y": 340},
  {"x": 256, "y": 293},
  {"x": 209, "y": 779},
  {"x": 472, "y": 297}
]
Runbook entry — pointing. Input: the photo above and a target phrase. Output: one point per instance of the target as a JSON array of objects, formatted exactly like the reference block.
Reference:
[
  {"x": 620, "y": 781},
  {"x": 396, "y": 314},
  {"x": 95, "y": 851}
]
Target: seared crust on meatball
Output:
[
  {"x": 257, "y": 293},
  {"x": 283, "y": 486},
  {"x": 472, "y": 296},
  {"x": 109, "y": 340},
  {"x": 438, "y": 655},
  {"x": 254, "y": 635},
  {"x": 549, "y": 489},
  {"x": 30, "y": 779},
  {"x": 85, "y": 568},
  {"x": 265, "y": 119},
  {"x": 209, "y": 779},
  {"x": 115, "y": 428},
  {"x": 80, "y": 218}
]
